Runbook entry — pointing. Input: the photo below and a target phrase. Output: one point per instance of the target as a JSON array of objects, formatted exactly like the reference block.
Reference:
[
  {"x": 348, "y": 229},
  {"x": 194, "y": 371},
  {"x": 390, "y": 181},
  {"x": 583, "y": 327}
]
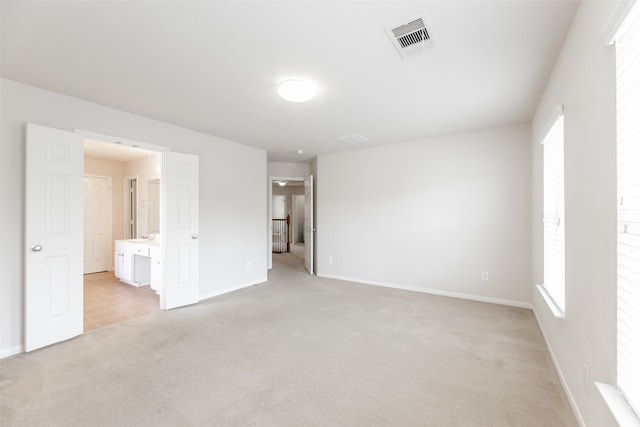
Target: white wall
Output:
[
  {"x": 232, "y": 217},
  {"x": 584, "y": 82},
  {"x": 287, "y": 169},
  {"x": 431, "y": 214}
]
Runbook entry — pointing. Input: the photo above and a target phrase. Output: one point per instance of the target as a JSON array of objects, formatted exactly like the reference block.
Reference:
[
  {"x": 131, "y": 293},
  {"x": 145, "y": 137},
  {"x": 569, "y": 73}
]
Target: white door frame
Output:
[
  {"x": 128, "y": 206},
  {"x": 294, "y": 220},
  {"x": 271, "y": 181},
  {"x": 309, "y": 226},
  {"x": 120, "y": 141}
]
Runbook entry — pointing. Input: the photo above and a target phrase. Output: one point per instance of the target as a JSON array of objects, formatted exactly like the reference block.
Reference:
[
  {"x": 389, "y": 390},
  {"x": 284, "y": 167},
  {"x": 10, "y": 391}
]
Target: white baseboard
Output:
[
  {"x": 231, "y": 289},
  {"x": 556, "y": 365},
  {"x": 433, "y": 291},
  {"x": 8, "y": 352}
]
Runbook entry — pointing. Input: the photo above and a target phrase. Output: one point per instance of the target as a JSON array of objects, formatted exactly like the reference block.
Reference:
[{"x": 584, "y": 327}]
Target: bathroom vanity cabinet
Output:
[{"x": 138, "y": 262}]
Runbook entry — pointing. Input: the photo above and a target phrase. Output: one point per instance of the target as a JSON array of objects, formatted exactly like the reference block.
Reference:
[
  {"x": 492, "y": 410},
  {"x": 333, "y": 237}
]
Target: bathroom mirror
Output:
[{"x": 153, "y": 194}]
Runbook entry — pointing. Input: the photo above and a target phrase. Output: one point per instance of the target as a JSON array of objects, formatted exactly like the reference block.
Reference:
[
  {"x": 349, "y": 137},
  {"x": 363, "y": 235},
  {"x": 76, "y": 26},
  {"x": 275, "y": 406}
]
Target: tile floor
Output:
[{"x": 108, "y": 301}]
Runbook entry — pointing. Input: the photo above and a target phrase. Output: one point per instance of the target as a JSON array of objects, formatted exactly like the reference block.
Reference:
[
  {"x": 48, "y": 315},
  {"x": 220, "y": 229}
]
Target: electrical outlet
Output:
[
  {"x": 485, "y": 275},
  {"x": 330, "y": 260},
  {"x": 585, "y": 378},
  {"x": 248, "y": 266}
]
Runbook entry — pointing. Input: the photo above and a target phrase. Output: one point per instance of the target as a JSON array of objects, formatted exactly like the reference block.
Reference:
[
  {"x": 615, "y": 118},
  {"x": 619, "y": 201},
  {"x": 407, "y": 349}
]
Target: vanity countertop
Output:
[{"x": 141, "y": 241}]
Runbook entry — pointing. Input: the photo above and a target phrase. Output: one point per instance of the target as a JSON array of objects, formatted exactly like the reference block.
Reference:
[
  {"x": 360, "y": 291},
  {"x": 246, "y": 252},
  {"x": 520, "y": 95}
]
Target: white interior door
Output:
[
  {"x": 308, "y": 224},
  {"x": 294, "y": 220},
  {"x": 97, "y": 224},
  {"x": 53, "y": 236},
  {"x": 180, "y": 224}
]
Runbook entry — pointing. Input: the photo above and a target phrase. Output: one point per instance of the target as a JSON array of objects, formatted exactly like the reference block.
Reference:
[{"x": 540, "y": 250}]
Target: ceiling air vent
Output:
[
  {"x": 411, "y": 37},
  {"x": 352, "y": 139}
]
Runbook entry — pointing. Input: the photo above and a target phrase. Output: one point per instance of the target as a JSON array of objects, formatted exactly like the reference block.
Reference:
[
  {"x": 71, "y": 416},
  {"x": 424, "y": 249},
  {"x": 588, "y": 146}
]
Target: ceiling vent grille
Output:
[
  {"x": 411, "y": 37},
  {"x": 352, "y": 139}
]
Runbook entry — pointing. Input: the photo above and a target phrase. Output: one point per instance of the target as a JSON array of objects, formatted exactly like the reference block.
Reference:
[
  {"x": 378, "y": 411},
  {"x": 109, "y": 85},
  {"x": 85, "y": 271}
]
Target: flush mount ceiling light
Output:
[
  {"x": 297, "y": 90},
  {"x": 282, "y": 183}
]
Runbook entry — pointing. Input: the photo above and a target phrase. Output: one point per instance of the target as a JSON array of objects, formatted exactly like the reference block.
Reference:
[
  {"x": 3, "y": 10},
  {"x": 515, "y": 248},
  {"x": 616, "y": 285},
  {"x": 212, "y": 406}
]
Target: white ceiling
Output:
[{"x": 214, "y": 66}]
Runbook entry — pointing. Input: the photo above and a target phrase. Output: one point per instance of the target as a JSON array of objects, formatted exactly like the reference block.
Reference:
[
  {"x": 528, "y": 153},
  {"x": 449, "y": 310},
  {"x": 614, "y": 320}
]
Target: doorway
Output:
[
  {"x": 107, "y": 300},
  {"x": 287, "y": 201},
  {"x": 53, "y": 232}
]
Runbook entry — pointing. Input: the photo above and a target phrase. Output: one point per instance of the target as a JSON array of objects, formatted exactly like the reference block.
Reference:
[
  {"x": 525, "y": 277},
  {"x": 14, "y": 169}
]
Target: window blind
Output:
[
  {"x": 628, "y": 157},
  {"x": 553, "y": 211}
]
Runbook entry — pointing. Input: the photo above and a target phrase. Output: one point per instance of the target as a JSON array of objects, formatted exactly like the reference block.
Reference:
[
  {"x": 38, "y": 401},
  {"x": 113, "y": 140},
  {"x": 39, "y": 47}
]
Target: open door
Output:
[
  {"x": 53, "y": 236},
  {"x": 180, "y": 224},
  {"x": 308, "y": 224}
]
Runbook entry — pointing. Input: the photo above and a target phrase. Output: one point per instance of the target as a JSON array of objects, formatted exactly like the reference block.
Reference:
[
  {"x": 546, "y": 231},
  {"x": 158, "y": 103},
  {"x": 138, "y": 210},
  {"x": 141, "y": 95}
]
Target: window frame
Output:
[
  {"x": 625, "y": 407},
  {"x": 553, "y": 289}
]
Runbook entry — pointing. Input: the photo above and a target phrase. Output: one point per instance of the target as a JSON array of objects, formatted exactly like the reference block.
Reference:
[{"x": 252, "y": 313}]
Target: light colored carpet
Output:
[
  {"x": 298, "y": 250},
  {"x": 297, "y": 351}
]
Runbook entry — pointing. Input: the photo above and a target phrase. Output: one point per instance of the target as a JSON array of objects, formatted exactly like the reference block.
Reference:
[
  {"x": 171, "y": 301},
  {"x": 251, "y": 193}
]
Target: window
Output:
[
  {"x": 627, "y": 41},
  {"x": 553, "y": 213}
]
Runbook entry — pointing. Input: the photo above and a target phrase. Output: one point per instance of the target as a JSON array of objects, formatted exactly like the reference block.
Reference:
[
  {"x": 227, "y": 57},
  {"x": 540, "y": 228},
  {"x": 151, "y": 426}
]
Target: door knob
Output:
[
  {"x": 194, "y": 236},
  {"x": 36, "y": 248}
]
